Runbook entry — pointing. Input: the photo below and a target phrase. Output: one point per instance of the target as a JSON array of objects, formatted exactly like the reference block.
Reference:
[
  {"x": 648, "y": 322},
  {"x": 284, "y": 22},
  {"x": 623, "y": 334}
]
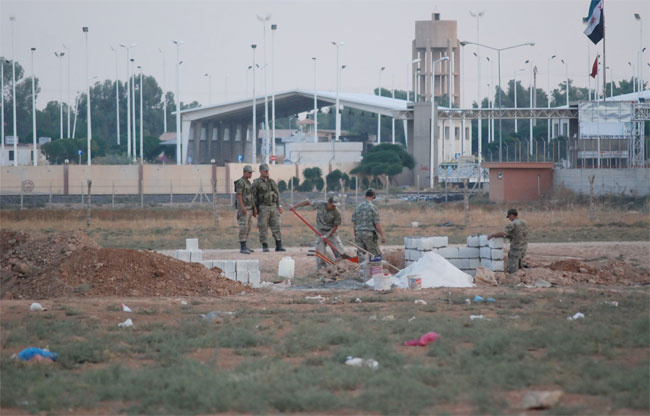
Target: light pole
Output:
[
  {"x": 499, "y": 70},
  {"x": 209, "y": 77},
  {"x": 338, "y": 88},
  {"x": 315, "y": 104},
  {"x": 67, "y": 104},
  {"x": 548, "y": 104},
  {"x": 60, "y": 55},
  {"x": 393, "y": 118},
  {"x": 117, "y": 98},
  {"x": 164, "y": 88},
  {"x": 89, "y": 127},
  {"x": 178, "y": 101},
  {"x": 141, "y": 124},
  {"x": 267, "y": 148},
  {"x": 254, "y": 126},
  {"x": 409, "y": 72},
  {"x": 34, "y": 154},
  {"x": 128, "y": 97},
  {"x": 530, "y": 105},
  {"x": 633, "y": 81},
  {"x": 491, "y": 101},
  {"x": 514, "y": 84},
  {"x": 566, "y": 73},
  {"x": 135, "y": 134},
  {"x": 273, "y": 29},
  {"x": 12, "y": 19},
  {"x": 637, "y": 16},
  {"x": 478, "y": 16},
  {"x": 611, "y": 83},
  {"x": 434, "y": 123},
  {"x": 379, "y": 114},
  {"x": 2, "y": 111}
]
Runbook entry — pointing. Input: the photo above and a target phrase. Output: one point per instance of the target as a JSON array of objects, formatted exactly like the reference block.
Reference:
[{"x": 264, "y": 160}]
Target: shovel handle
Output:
[{"x": 314, "y": 230}]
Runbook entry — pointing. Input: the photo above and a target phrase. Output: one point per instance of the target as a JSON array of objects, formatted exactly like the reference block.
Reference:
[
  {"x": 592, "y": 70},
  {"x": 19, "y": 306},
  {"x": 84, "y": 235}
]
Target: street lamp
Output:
[
  {"x": 128, "y": 97},
  {"x": 379, "y": 114},
  {"x": 254, "y": 127},
  {"x": 34, "y": 154},
  {"x": 338, "y": 88},
  {"x": 265, "y": 19},
  {"x": 273, "y": 29},
  {"x": 433, "y": 119},
  {"x": 499, "y": 69},
  {"x": 478, "y": 16},
  {"x": 117, "y": 99},
  {"x": 164, "y": 88},
  {"x": 141, "y": 124},
  {"x": 12, "y": 19},
  {"x": 60, "y": 55},
  {"x": 2, "y": 112},
  {"x": 530, "y": 105},
  {"x": 209, "y": 77},
  {"x": 67, "y": 104},
  {"x": 548, "y": 103},
  {"x": 409, "y": 71},
  {"x": 315, "y": 104},
  {"x": 637, "y": 16},
  {"x": 178, "y": 101},
  {"x": 89, "y": 127},
  {"x": 514, "y": 84},
  {"x": 135, "y": 134}
]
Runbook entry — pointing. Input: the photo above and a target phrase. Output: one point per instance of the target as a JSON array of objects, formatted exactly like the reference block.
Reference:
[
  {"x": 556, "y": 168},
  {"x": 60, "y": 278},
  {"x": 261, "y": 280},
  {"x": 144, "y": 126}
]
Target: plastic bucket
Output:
[
  {"x": 286, "y": 267},
  {"x": 415, "y": 281},
  {"x": 381, "y": 281}
]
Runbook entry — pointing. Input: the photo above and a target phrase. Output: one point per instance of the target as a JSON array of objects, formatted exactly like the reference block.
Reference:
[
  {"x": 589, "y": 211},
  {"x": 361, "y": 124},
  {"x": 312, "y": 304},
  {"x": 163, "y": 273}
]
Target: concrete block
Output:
[
  {"x": 448, "y": 252},
  {"x": 468, "y": 252},
  {"x": 496, "y": 253},
  {"x": 229, "y": 266},
  {"x": 242, "y": 277},
  {"x": 196, "y": 256},
  {"x": 411, "y": 242},
  {"x": 496, "y": 243},
  {"x": 497, "y": 265},
  {"x": 472, "y": 241},
  {"x": 439, "y": 241},
  {"x": 426, "y": 244},
  {"x": 183, "y": 255},
  {"x": 253, "y": 265},
  {"x": 218, "y": 263},
  {"x": 416, "y": 255},
  {"x": 254, "y": 278},
  {"x": 485, "y": 252},
  {"x": 487, "y": 263},
  {"x": 474, "y": 263},
  {"x": 191, "y": 244},
  {"x": 460, "y": 263},
  {"x": 241, "y": 266},
  {"x": 483, "y": 240},
  {"x": 207, "y": 263},
  {"x": 230, "y": 275}
]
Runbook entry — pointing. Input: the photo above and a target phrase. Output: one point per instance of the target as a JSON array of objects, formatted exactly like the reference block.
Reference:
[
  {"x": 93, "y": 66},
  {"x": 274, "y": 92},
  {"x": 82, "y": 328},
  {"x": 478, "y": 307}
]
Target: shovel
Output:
[
  {"x": 371, "y": 255},
  {"x": 343, "y": 255}
]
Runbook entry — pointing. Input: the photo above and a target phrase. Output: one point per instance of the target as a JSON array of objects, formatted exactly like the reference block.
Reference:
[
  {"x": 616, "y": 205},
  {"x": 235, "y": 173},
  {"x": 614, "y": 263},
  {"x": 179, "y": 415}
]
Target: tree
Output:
[
  {"x": 333, "y": 180},
  {"x": 384, "y": 159}
]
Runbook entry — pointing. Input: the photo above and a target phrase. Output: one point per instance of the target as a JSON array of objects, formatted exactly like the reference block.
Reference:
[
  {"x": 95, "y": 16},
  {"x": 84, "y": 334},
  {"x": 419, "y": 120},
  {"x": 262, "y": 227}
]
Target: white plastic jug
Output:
[{"x": 286, "y": 267}]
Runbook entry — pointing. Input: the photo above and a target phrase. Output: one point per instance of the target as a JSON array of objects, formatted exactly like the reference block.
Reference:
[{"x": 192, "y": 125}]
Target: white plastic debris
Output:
[
  {"x": 319, "y": 298},
  {"x": 36, "y": 307},
  {"x": 372, "y": 318},
  {"x": 420, "y": 302},
  {"x": 361, "y": 362},
  {"x": 126, "y": 324},
  {"x": 578, "y": 315},
  {"x": 435, "y": 271},
  {"x": 412, "y": 318},
  {"x": 481, "y": 317},
  {"x": 183, "y": 302},
  {"x": 468, "y": 302},
  {"x": 126, "y": 308},
  {"x": 213, "y": 315},
  {"x": 357, "y": 300},
  {"x": 612, "y": 303},
  {"x": 388, "y": 318}
]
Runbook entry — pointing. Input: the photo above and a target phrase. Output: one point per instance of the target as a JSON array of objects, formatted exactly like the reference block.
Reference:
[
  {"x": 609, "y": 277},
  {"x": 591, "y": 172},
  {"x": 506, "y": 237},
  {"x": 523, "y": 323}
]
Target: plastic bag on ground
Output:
[
  {"x": 31, "y": 352},
  {"x": 424, "y": 340},
  {"x": 360, "y": 362}
]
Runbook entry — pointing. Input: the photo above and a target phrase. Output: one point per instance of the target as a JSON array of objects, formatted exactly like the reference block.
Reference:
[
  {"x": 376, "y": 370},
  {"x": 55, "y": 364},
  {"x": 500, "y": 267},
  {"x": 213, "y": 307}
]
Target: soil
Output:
[{"x": 71, "y": 264}]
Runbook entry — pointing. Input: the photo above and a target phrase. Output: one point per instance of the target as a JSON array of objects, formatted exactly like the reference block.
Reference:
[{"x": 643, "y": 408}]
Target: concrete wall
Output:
[{"x": 635, "y": 181}]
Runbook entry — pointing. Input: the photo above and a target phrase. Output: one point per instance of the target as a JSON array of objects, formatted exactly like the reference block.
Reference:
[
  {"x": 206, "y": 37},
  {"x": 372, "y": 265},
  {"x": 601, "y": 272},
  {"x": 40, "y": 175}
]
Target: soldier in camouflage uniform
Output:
[
  {"x": 367, "y": 225},
  {"x": 267, "y": 201},
  {"x": 246, "y": 209},
  {"x": 517, "y": 233},
  {"x": 328, "y": 220}
]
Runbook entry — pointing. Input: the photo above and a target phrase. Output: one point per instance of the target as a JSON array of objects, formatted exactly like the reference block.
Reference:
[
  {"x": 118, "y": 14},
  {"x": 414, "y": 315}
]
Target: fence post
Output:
[
  {"x": 387, "y": 186},
  {"x": 141, "y": 193},
  {"x": 113, "y": 196},
  {"x": 171, "y": 192},
  {"x": 214, "y": 192},
  {"x": 466, "y": 184},
  {"x": 592, "y": 202},
  {"x": 50, "y": 199},
  {"x": 356, "y": 190},
  {"x": 88, "y": 206},
  {"x": 291, "y": 190},
  {"x": 82, "y": 193},
  {"x": 21, "y": 195}
]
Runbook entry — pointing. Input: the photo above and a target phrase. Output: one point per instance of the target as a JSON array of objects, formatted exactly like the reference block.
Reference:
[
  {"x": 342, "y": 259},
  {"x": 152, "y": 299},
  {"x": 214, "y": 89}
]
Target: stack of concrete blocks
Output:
[
  {"x": 243, "y": 271},
  {"x": 191, "y": 252},
  {"x": 490, "y": 252},
  {"x": 478, "y": 252}
]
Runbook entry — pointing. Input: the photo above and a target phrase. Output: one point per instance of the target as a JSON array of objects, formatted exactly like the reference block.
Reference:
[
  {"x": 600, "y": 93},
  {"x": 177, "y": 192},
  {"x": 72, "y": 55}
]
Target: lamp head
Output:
[
  {"x": 313, "y": 58},
  {"x": 415, "y": 61},
  {"x": 85, "y": 29},
  {"x": 382, "y": 68},
  {"x": 637, "y": 16},
  {"x": 274, "y": 27},
  {"x": 463, "y": 43},
  {"x": 444, "y": 58},
  {"x": 531, "y": 43},
  {"x": 253, "y": 46},
  {"x": 33, "y": 49},
  {"x": 526, "y": 61}
]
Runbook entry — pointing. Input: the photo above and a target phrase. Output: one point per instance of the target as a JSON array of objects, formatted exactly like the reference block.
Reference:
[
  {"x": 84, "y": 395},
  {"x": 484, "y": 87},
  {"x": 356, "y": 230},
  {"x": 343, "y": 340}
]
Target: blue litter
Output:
[
  {"x": 29, "y": 353},
  {"x": 478, "y": 298},
  {"x": 376, "y": 258},
  {"x": 491, "y": 300}
]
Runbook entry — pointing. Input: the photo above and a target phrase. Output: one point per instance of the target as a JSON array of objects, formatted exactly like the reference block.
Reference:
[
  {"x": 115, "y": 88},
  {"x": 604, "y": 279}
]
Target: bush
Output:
[
  {"x": 282, "y": 186},
  {"x": 320, "y": 184}
]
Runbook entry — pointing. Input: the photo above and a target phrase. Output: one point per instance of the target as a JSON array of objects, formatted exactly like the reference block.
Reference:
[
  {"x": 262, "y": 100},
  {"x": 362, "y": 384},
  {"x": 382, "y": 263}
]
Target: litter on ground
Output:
[
  {"x": 126, "y": 324},
  {"x": 424, "y": 340},
  {"x": 420, "y": 302},
  {"x": 578, "y": 315},
  {"x": 36, "y": 307},
  {"x": 480, "y": 317},
  {"x": 33, "y": 352},
  {"x": 361, "y": 362},
  {"x": 126, "y": 308},
  {"x": 478, "y": 299}
]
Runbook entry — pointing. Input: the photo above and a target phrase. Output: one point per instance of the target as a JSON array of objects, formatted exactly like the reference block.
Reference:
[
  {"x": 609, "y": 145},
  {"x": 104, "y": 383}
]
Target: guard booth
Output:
[{"x": 519, "y": 182}]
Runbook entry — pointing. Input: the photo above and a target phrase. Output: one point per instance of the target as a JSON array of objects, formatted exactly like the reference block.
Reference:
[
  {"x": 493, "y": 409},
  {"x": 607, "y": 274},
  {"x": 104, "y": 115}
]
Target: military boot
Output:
[
  {"x": 244, "y": 249},
  {"x": 278, "y": 246},
  {"x": 265, "y": 247}
]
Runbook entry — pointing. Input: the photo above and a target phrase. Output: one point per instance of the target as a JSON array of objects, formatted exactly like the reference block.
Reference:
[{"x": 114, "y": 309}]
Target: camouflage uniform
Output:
[
  {"x": 517, "y": 233},
  {"x": 243, "y": 187},
  {"x": 325, "y": 221},
  {"x": 267, "y": 200},
  {"x": 365, "y": 216}
]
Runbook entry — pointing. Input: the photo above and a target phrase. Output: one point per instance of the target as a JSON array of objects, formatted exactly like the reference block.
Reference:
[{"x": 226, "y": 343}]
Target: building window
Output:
[
  {"x": 466, "y": 133},
  {"x": 215, "y": 134},
  {"x": 226, "y": 135},
  {"x": 446, "y": 133},
  {"x": 203, "y": 134},
  {"x": 11, "y": 155},
  {"x": 457, "y": 133}
]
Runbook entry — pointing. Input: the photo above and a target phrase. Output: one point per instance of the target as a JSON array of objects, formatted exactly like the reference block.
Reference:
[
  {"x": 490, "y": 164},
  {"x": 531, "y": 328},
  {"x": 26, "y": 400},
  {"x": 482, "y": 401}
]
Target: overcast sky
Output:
[{"x": 217, "y": 35}]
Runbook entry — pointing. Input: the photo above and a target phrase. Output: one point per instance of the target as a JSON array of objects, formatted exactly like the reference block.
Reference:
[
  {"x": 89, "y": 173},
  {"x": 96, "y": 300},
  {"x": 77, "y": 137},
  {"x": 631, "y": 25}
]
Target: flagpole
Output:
[{"x": 602, "y": 16}]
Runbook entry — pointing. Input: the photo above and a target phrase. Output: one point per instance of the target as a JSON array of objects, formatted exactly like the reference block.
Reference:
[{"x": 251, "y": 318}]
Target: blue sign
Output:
[
  {"x": 240, "y": 158},
  {"x": 81, "y": 152}
]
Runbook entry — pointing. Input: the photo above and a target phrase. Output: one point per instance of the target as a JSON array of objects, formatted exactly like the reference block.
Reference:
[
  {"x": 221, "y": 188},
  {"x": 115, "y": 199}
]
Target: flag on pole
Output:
[
  {"x": 594, "y": 69},
  {"x": 595, "y": 30}
]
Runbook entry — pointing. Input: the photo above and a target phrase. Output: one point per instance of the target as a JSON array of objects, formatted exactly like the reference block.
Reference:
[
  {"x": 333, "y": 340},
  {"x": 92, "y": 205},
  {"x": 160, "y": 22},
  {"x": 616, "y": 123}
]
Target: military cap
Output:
[
  {"x": 264, "y": 166},
  {"x": 370, "y": 192},
  {"x": 512, "y": 211},
  {"x": 334, "y": 200},
  {"x": 248, "y": 168}
]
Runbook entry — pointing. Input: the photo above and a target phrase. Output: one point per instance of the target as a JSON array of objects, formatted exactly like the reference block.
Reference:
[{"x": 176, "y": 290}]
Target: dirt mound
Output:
[
  {"x": 71, "y": 264},
  {"x": 340, "y": 270},
  {"x": 571, "y": 265},
  {"x": 9, "y": 240}
]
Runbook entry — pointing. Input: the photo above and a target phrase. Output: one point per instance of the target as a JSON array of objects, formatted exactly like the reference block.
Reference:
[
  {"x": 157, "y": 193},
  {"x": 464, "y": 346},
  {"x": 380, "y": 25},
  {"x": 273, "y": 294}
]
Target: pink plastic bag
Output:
[{"x": 424, "y": 340}]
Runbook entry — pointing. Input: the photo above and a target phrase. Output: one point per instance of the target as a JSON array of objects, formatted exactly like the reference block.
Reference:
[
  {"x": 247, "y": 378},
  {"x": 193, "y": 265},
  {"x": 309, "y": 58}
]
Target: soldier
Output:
[
  {"x": 246, "y": 209},
  {"x": 517, "y": 233},
  {"x": 267, "y": 201},
  {"x": 328, "y": 220},
  {"x": 367, "y": 225}
]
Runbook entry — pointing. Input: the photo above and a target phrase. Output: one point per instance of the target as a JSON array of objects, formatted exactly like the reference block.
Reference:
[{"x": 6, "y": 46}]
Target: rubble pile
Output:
[{"x": 71, "y": 264}]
